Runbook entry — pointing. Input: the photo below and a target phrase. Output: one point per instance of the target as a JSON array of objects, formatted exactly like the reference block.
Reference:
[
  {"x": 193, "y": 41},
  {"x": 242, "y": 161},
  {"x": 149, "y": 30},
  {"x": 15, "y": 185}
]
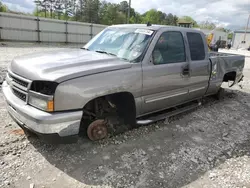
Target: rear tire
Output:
[{"x": 220, "y": 94}]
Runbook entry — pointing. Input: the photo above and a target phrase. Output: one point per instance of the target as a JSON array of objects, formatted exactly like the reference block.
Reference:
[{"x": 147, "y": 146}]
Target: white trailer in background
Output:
[
  {"x": 241, "y": 39},
  {"x": 216, "y": 35}
]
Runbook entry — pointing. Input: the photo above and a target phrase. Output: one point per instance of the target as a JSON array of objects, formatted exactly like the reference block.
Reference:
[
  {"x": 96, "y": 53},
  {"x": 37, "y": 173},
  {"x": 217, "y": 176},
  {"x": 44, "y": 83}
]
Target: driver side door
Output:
[{"x": 166, "y": 73}]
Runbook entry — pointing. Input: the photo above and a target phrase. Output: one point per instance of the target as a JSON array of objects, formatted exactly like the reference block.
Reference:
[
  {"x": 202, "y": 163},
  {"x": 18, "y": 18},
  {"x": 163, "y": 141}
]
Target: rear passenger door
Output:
[{"x": 199, "y": 65}]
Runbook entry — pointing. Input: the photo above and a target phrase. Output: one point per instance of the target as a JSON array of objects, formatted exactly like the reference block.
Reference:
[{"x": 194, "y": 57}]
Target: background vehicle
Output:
[
  {"x": 121, "y": 77},
  {"x": 216, "y": 39}
]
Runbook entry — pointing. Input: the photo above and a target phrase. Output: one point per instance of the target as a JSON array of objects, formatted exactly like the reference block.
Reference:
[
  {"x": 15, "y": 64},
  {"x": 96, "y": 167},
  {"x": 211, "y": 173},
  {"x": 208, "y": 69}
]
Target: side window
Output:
[
  {"x": 170, "y": 48},
  {"x": 196, "y": 46}
]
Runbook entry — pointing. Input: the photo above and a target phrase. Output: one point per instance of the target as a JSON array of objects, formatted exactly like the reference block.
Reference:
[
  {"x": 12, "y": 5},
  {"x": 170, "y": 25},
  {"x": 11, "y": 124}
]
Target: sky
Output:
[{"x": 231, "y": 14}]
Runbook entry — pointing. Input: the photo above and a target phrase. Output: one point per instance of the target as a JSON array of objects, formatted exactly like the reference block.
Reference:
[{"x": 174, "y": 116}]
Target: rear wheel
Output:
[{"x": 220, "y": 94}]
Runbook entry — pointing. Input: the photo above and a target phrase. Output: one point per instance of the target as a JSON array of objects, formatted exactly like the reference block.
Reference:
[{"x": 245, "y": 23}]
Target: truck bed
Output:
[
  {"x": 227, "y": 63},
  {"x": 220, "y": 54},
  {"x": 225, "y": 67}
]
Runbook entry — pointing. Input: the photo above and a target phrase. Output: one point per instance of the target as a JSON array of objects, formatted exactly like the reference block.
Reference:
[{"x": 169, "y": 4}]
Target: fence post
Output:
[
  {"x": 38, "y": 29},
  {"x": 91, "y": 31},
  {"x": 0, "y": 28},
  {"x": 66, "y": 28}
]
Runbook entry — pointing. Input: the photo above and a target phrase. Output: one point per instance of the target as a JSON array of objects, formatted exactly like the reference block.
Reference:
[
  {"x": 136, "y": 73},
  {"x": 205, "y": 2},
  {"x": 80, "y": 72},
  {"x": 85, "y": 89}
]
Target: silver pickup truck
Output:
[{"x": 126, "y": 75}]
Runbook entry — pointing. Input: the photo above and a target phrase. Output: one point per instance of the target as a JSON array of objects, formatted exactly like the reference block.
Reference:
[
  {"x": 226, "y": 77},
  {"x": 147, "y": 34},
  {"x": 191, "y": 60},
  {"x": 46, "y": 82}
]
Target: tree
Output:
[
  {"x": 47, "y": 5},
  {"x": 91, "y": 11},
  {"x": 59, "y": 7},
  {"x": 69, "y": 7},
  {"x": 110, "y": 14},
  {"x": 207, "y": 25},
  {"x": 42, "y": 6},
  {"x": 55, "y": 8},
  {"x": 188, "y": 19},
  {"x": 171, "y": 19},
  {"x": 52, "y": 6},
  {"x": 88, "y": 11},
  {"x": 64, "y": 7},
  {"x": 3, "y": 8},
  {"x": 230, "y": 36},
  {"x": 153, "y": 16},
  {"x": 123, "y": 7},
  {"x": 103, "y": 12},
  {"x": 137, "y": 18},
  {"x": 157, "y": 17}
]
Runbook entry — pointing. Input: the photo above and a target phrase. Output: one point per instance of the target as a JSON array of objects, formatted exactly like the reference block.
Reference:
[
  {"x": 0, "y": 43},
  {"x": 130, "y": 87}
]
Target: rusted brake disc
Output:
[{"x": 97, "y": 130}]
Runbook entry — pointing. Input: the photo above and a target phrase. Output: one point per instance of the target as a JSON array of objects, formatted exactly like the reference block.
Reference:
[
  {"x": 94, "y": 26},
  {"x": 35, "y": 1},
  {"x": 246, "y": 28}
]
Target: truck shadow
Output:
[{"x": 164, "y": 154}]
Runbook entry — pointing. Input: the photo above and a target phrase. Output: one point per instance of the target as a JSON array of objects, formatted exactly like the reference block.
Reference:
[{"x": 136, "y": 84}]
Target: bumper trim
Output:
[
  {"x": 61, "y": 123},
  {"x": 51, "y": 138}
]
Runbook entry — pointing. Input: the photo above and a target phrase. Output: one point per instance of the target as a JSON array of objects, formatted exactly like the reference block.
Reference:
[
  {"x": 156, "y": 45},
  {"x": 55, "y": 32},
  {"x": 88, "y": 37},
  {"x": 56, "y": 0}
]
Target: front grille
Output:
[
  {"x": 18, "y": 81},
  {"x": 19, "y": 94},
  {"x": 19, "y": 86}
]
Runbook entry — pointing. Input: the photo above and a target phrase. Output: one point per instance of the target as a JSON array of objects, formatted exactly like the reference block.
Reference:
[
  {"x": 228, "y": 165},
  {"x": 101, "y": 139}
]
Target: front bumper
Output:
[{"x": 63, "y": 124}]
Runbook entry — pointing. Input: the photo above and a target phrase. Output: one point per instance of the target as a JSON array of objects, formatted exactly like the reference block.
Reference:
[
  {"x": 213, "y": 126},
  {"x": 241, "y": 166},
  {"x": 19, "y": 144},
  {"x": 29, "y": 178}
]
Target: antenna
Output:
[{"x": 149, "y": 24}]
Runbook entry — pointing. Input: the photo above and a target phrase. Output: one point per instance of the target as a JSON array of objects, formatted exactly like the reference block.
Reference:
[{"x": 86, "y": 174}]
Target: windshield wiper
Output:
[
  {"x": 85, "y": 48},
  {"x": 103, "y": 52},
  {"x": 125, "y": 59}
]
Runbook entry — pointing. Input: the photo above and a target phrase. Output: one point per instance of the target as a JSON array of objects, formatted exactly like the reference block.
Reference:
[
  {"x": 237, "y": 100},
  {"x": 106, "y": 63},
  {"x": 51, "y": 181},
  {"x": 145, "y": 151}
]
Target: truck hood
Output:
[{"x": 65, "y": 64}]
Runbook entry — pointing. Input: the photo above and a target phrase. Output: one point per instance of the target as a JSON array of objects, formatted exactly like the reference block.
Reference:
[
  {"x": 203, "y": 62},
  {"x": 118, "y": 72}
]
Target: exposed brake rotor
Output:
[{"x": 97, "y": 130}]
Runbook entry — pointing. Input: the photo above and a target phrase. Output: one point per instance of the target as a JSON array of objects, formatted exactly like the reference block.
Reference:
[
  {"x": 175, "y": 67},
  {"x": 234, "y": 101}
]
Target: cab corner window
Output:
[
  {"x": 196, "y": 46},
  {"x": 169, "y": 49}
]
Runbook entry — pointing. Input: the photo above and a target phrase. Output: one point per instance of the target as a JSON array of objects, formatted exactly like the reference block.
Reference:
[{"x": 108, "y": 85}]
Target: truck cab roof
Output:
[{"x": 156, "y": 27}]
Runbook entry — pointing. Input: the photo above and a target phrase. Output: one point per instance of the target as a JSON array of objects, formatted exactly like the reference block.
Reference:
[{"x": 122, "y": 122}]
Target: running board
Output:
[{"x": 162, "y": 116}]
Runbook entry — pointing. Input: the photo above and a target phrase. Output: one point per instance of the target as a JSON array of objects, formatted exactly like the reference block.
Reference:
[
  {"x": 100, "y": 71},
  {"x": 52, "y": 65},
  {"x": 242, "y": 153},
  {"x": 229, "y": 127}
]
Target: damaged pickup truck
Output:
[{"x": 126, "y": 75}]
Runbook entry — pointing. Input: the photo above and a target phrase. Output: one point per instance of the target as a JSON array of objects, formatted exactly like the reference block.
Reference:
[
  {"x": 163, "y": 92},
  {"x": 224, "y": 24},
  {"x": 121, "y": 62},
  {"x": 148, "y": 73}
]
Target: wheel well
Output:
[
  {"x": 119, "y": 104},
  {"x": 230, "y": 76}
]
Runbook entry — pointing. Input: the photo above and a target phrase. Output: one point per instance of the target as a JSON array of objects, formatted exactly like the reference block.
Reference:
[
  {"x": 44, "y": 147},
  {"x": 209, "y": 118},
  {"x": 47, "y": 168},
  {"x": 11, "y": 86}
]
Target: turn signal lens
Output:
[{"x": 50, "y": 106}]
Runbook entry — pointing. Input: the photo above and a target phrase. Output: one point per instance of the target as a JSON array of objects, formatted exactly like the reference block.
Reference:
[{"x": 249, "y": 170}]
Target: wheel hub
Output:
[{"x": 97, "y": 130}]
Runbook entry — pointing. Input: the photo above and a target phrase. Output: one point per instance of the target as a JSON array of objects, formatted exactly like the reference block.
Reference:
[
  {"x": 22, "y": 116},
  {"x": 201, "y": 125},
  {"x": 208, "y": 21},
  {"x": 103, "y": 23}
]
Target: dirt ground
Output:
[{"x": 207, "y": 147}]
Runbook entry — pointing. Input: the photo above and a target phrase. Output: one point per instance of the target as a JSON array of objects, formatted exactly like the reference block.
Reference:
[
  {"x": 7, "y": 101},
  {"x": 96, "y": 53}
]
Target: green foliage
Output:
[
  {"x": 230, "y": 36},
  {"x": 103, "y": 12},
  {"x": 157, "y": 17},
  {"x": 136, "y": 19},
  {"x": 171, "y": 19},
  {"x": 123, "y": 7},
  {"x": 54, "y": 8},
  {"x": 96, "y": 11},
  {"x": 153, "y": 16},
  {"x": 110, "y": 14},
  {"x": 3, "y": 8},
  {"x": 90, "y": 11}
]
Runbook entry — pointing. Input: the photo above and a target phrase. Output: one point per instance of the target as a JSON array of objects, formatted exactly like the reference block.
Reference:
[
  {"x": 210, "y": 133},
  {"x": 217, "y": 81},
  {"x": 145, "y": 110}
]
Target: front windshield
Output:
[{"x": 128, "y": 44}]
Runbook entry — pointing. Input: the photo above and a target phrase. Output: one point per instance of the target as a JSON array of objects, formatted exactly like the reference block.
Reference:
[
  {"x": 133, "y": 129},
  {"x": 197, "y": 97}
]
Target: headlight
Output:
[
  {"x": 43, "y": 102},
  {"x": 44, "y": 87},
  {"x": 41, "y": 95}
]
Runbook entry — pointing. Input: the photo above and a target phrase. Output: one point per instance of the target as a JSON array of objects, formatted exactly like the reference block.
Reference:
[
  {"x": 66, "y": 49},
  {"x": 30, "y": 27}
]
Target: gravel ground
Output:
[{"x": 207, "y": 147}]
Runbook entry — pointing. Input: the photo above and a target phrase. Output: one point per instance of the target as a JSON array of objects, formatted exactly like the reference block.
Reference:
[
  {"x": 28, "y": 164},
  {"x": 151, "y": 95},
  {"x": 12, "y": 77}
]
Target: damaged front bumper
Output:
[{"x": 58, "y": 124}]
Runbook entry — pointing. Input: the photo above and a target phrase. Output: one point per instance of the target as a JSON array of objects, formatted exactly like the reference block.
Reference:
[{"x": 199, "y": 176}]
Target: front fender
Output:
[{"x": 76, "y": 93}]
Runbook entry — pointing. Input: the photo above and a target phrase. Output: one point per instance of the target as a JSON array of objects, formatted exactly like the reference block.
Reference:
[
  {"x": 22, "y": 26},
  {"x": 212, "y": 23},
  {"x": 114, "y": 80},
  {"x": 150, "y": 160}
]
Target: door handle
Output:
[{"x": 185, "y": 71}]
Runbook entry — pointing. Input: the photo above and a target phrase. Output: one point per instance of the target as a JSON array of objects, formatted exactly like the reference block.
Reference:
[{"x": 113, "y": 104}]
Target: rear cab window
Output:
[{"x": 196, "y": 46}]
